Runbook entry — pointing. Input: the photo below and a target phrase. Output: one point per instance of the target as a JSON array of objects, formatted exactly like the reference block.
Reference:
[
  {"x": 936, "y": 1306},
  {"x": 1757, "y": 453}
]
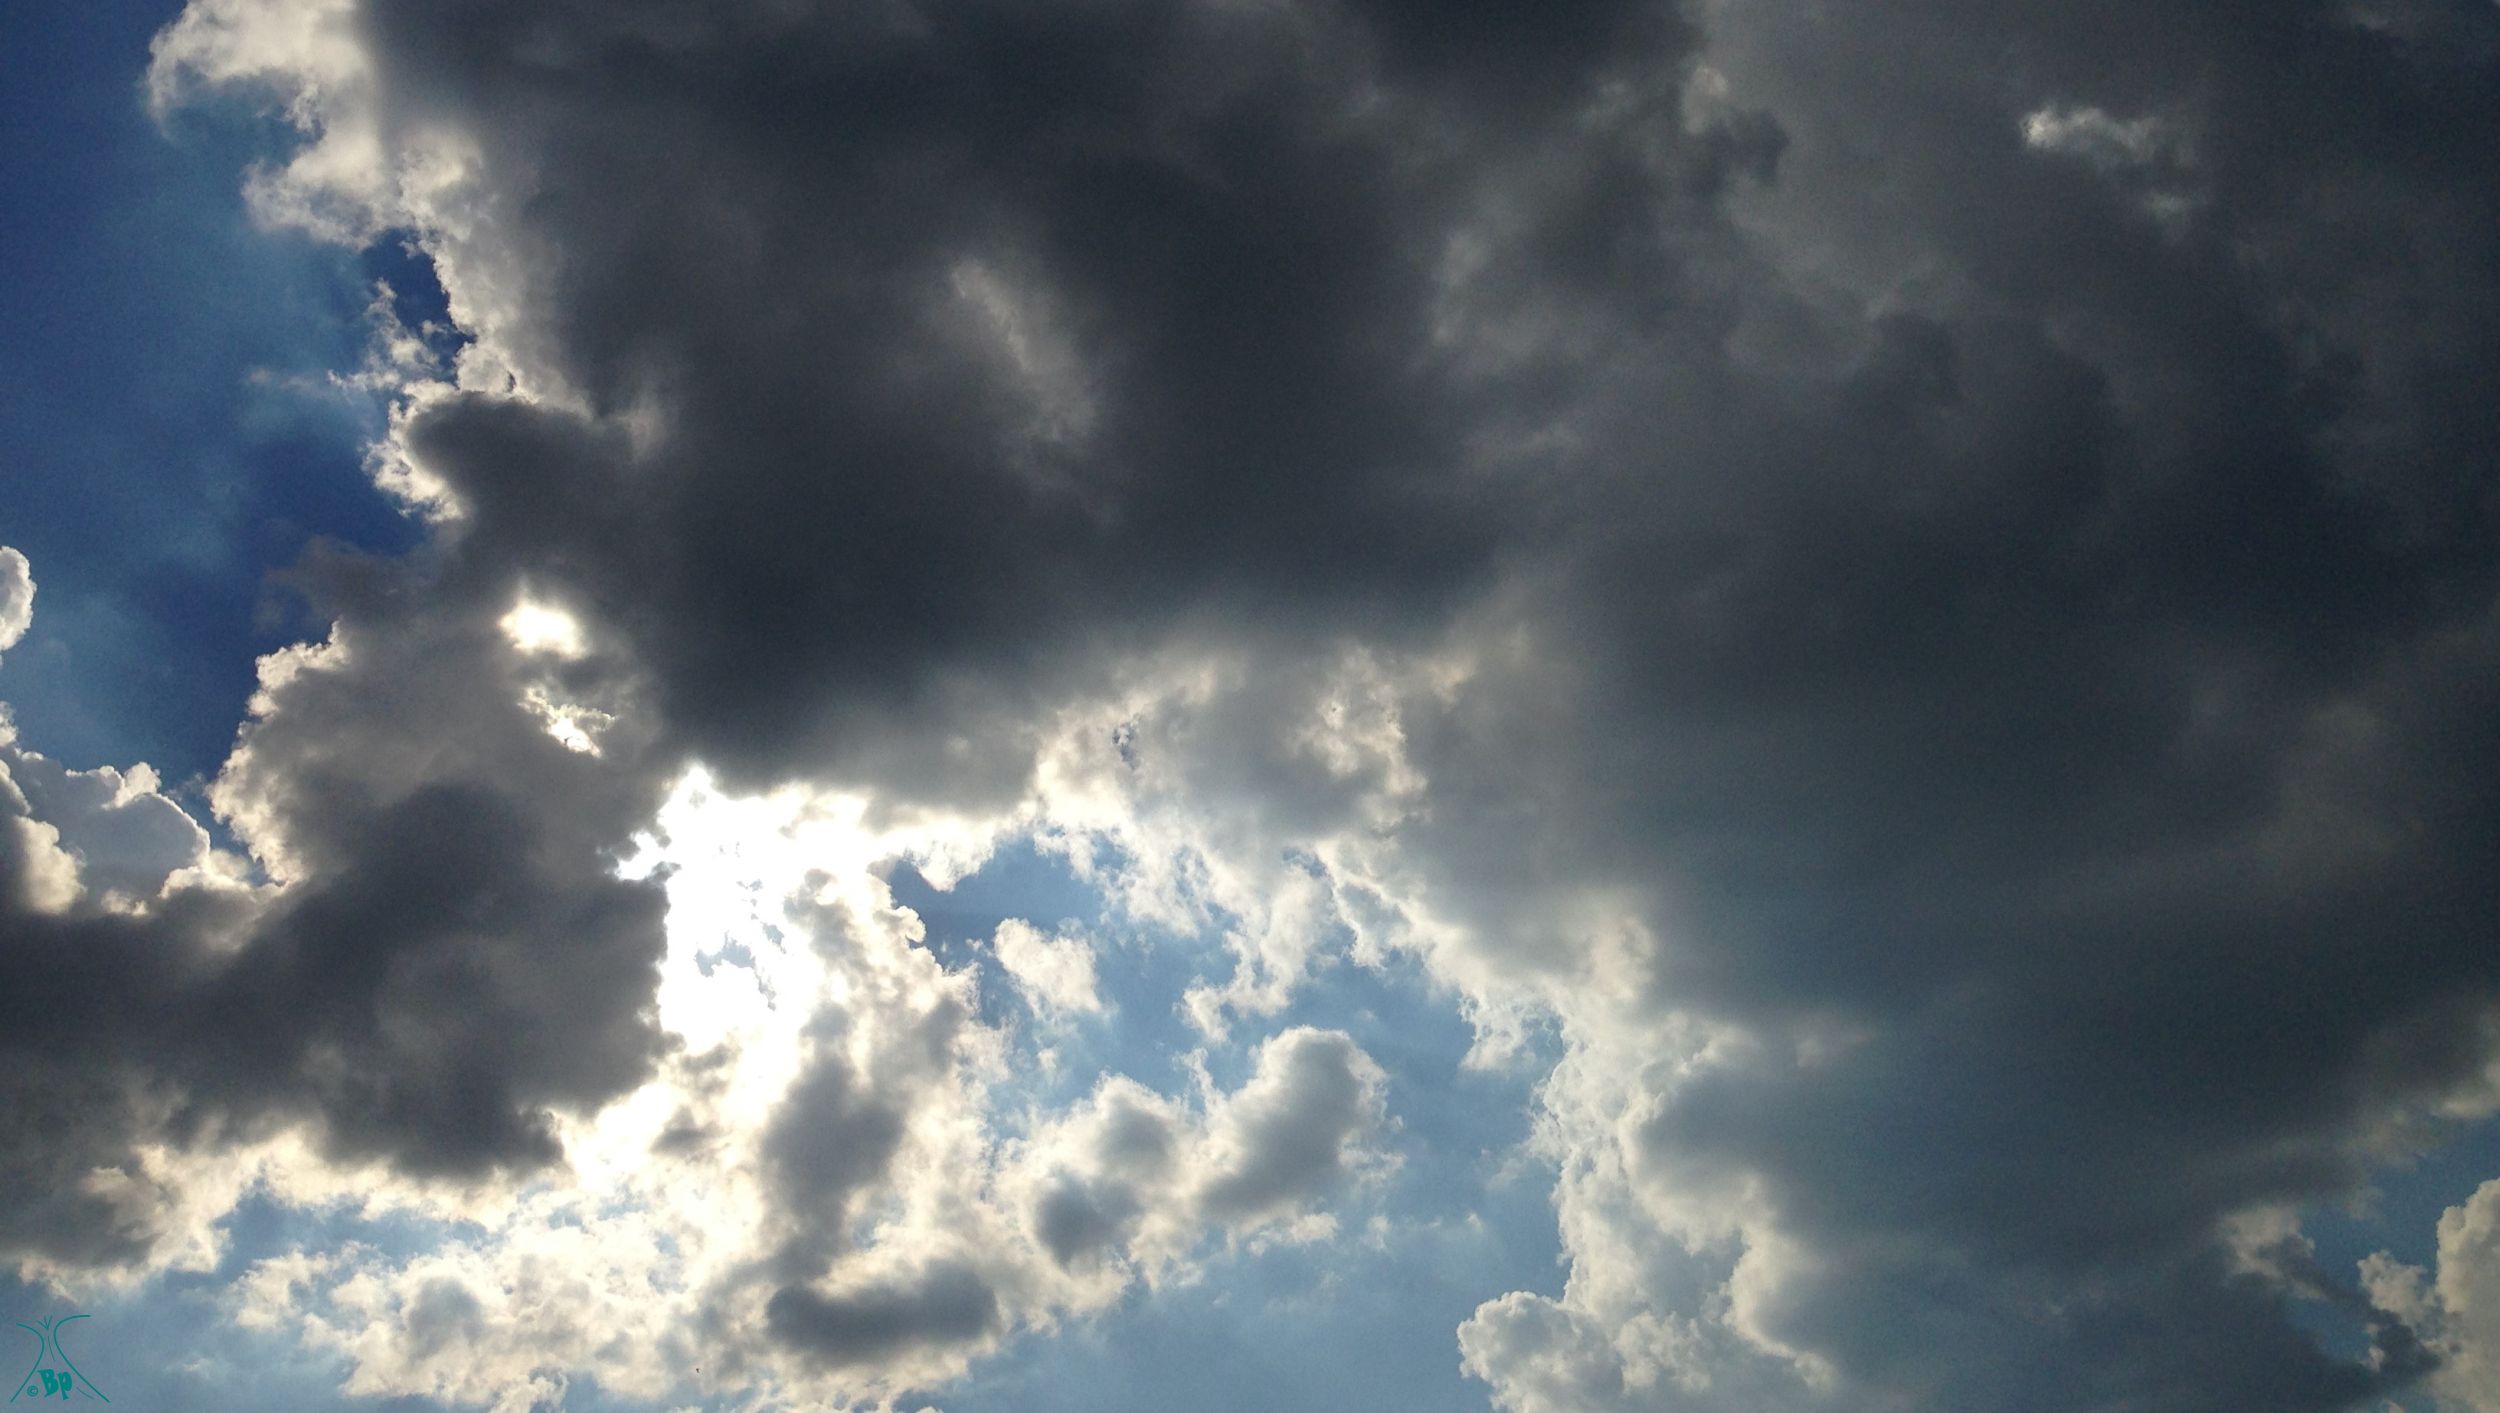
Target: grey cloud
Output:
[
  {"x": 832, "y": 1137},
  {"x": 444, "y": 1314},
  {"x": 77, "y": 986},
  {"x": 1075, "y": 1218},
  {"x": 1130, "y": 1158},
  {"x": 458, "y": 952},
  {"x": 2019, "y": 619},
  {"x": 453, "y": 953},
  {"x": 460, "y": 976},
  {"x": 1129, "y": 1178},
  {"x": 2157, "y": 1338},
  {"x": 1284, "y": 1137},
  {"x": 949, "y": 1302},
  {"x": 2075, "y": 713},
  {"x": 1239, "y": 255},
  {"x": 1134, "y": 1142}
]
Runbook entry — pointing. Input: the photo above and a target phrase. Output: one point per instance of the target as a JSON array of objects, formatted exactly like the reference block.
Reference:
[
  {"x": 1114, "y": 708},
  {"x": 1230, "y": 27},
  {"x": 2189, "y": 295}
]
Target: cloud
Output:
[
  {"x": 17, "y": 596},
  {"x": 2455, "y": 1306},
  {"x": 1285, "y": 1137},
  {"x": 1055, "y": 974},
  {"x": 126, "y": 837},
  {"x": 1128, "y": 1181},
  {"x": 1108, "y": 1176},
  {"x": 449, "y": 951},
  {"x": 813, "y": 1195},
  {"x": 1912, "y": 590},
  {"x": 947, "y": 1303}
]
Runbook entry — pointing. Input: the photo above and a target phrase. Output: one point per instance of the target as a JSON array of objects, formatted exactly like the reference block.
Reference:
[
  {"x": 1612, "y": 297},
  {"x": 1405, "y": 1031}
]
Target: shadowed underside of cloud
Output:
[
  {"x": 446, "y": 952},
  {"x": 949, "y": 1302},
  {"x": 1918, "y": 581}
]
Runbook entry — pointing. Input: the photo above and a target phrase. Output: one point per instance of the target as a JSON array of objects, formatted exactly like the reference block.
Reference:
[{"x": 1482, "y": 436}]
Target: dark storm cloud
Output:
[
  {"x": 787, "y": 237},
  {"x": 453, "y": 953},
  {"x": 2079, "y": 708},
  {"x": 1997, "y": 501},
  {"x": 74, "y": 1102}
]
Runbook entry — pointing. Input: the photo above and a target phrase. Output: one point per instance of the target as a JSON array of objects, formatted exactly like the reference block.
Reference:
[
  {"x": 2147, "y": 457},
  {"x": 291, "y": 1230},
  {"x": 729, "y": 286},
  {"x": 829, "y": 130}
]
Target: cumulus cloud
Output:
[
  {"x": 2455, "y": 1307},
  {"x": 948, "y": 1302},
  {"x": 126, "y": 836},
  {"x": 444, "y": 951},
  {"x": 1911, "y": 589},
  {"x": 1128, "y": 1180},
  {"x": 1055, "y": 973},
  {"x": 813, "y": 1197},
  {"x": 17, "y": 596},
  {"x": 1286, "y": 1136}
]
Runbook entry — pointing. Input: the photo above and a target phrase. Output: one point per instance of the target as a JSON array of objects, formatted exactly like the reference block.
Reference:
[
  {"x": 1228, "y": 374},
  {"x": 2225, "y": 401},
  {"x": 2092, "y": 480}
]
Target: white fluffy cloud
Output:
[
  {"x": 2454, "y": 1308},
  {"x": 1055, "y": 973},
  {"x": 813, "y": 1200},
  {"x": 107, "y": 832},
  {"x": 17, "y": 596}
]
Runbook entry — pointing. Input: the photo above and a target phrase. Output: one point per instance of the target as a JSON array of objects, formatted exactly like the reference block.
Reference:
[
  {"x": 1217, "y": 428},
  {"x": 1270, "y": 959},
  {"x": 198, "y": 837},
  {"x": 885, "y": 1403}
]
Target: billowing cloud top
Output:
[{"x": 1896, "y": 604}]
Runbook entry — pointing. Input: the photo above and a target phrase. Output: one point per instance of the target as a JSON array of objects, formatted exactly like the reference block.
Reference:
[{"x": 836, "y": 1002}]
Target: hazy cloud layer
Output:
[{"x": 1915, "y": 585}]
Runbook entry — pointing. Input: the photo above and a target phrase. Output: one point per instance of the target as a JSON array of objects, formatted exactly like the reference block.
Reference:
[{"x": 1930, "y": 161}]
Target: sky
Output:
[{"x": 1251, "y": 704}]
